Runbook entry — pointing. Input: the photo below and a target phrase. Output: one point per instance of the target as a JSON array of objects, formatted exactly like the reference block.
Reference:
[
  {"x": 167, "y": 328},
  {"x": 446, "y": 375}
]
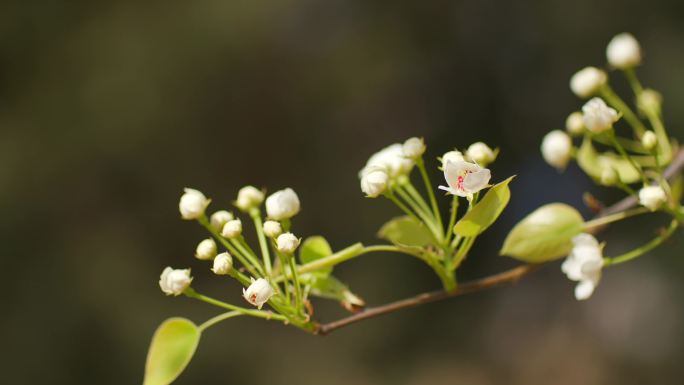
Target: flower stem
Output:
[
  {"x": 204, "y": 222},
  {"x": 426, "y": 217},
  {"x": 614, "y": 100},
  {"x": 190, "y": 292},
  {"x": 295, "y": 279},
  {"x": 256, "y": 217},
  {"x": 625, "y": 155},
  {"x": 430, "y": 191},
  {"x": 643, "y": 249},
  {"x": 452, "y": 219},
  {"x": 214, "y": 320},
  {"x": 604, "y": 220},
  {"x": 241, "y": 246}
]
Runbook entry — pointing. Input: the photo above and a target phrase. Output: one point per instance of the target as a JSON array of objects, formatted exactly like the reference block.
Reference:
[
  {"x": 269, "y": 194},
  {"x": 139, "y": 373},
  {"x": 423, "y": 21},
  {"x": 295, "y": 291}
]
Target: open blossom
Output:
[
  {"x": 219, "y": 218},
  {"x": 623, "y": 51},
  {"x": 587, "y": 81},
  {"x": 206, "y": 249},
  {"x": 287, "y": 243},
  {"x": 598, "y": 117},
  {"x": 374, "y": 181},
  {"x": 283, "y": 204},
  {"x": 465, "y": 179},
  {"x": 584, "y": 265},
  {"x": 248, "y": 198},
  {"x": 258, "y": 293},
  {"x": 451, "y": 156},
  {"x": 574, "y": 123},
  {"x": 392, "y": 159},
  {"x": 556, "y": 148},
  {"x": 413, "y": 148},
  {"x": 480, "y": 153},
  {"x": 192, "y": 204},
  {"x": 652, "y": 197},
  {"x": 174, "y": 282},
  {"x": 222, "y": 264}
]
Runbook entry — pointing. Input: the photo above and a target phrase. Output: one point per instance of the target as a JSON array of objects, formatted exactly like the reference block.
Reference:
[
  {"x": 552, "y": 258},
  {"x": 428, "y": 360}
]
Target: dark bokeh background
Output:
[{"x": 107, "y": 110}]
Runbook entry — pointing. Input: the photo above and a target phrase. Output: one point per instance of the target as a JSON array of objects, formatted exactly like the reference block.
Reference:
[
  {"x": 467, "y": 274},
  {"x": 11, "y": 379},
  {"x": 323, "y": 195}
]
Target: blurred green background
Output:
[{"x": 109, "y": 109}]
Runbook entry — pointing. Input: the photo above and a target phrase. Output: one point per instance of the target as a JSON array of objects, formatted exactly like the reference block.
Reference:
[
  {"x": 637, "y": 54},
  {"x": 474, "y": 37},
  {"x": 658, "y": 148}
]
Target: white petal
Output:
[{"x": 584, "y": 290}]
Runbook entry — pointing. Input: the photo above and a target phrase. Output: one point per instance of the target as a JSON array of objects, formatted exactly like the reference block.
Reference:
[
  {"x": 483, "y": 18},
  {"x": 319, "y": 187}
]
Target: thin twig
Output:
[{"x": 508, "y": 276}]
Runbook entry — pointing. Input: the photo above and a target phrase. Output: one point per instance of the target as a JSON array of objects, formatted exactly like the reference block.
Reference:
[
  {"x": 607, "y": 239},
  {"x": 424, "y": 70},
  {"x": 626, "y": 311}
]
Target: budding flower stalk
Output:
[
  {"x": 481, "y": 154},
  {"x": 232, "y": 229},
  {"x": 574, "y": 124},
  {"x": 219, "y": 218},
  {"x": 272, "y": 229},
  {"x": 206, "y": 250},
  {"x": 283, "y": 204},
  {"x": 556, "y": 149},
  {"x": 374, "y": 181},
  {"x": 174, "y": 281},
  {"x": 248, "y": 198},
  {"x": 192, "y": 204},
  {"x": 598, "y": 117},
  {"x": 649, "y": 140},
  {"x": 587, "y": 82},
  {"x": 584, "y": 265},
  {"x": 465, "y": 179},
  {"x": 413, "y": 148},
  {"x": 223, "y": 263},
  {"x": 623, "y": 51},
  {"x": 652, "y": 197},
  {"x": 258, "y": 293},
  {"x": 287, "y": 243}
]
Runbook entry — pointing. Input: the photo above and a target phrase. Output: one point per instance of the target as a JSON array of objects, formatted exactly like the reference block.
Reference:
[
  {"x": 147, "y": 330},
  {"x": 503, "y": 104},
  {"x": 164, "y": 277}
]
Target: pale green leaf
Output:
[
  {"x": 545, "y": 234},
  {"x": 314, "y": 248},
  {"x": 406, "y": 231},
  {"x": 486, "y": 211},
  {"x": 173, "y": 345},
  {"x": 594, "y": 163}
]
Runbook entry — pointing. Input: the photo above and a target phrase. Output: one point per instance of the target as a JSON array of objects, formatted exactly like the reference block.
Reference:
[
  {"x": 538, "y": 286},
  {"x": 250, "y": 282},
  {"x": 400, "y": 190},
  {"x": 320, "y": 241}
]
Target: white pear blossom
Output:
[
  {"x": 555, "y": 148},
  {"x": 649, "y": 140},
  {"x": 451, "y": 156},
  {"x": 174, "y": 281},
  {"x": 584, "y": 265},
  {"x": 623, "y": 51},
  {"x": 413, "y": 148},
  {"x": 287, "y": 243},
  {"x": 272, "y": 229},
  {"x": 283, "y": 204},
  {"x": 574, "y": 123},
  {"x": 464, "y": 179},
  {"x": 206, "y": 250},
  {"x": 598, "y": 117},
  {"x": 392, "y": 159},
  {"x": 232, "y": 229},
  {"x": 223, "y": 263},
  {"x": 192, "y": 204},
  {"x": 374, "y": 181},
  {"x": 652, "y": 197},
  {"x": 248, "y": 198},
  {"x": 587, "y": 81},
  {"x": 480, "y": 153},
  {"x": 258, "y": 293},
  {"x": 219, "y": 218}
]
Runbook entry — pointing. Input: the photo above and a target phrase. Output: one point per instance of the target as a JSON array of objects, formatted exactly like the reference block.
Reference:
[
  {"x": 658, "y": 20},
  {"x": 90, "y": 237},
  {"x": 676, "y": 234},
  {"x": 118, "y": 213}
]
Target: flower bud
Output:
[
  {"x": 598, "y": 117},
  {"x": 374, "y": 181},
  {"x": 392, "y": 159},
  {"x": 574, "y": 124},
  {"x": 287, "y": 243},
  {"x": 649, "y": 140},
  {"x": 258, "y": 293},
  {"x": 219, "y": 218},
  {"x": 248, "y": 198},
  {"x": 451, "y": 156},
  {"x": 481, "y": 154},
  {"x": 609, "y": 176},
  {"x": 232, "y": 229},
  {"x": 649, "y": 102},
  {"x": 192, "y": 204},
  {"x": 587, "y": 81},
  {"x": 206, "y": 249},
  {"x": 413, "y": 148},
  {"x": 174, "y": 282},
  {"x": 623, "y": 51},
  {"x": 223, "y": 263},
  {"x": 652, "y": 197},
  {"x": 584, "y": 265},
  {"x": 272, "y": 229},
  {"x": 283, "y": 204},
  {"x": 555, "y": 148}
]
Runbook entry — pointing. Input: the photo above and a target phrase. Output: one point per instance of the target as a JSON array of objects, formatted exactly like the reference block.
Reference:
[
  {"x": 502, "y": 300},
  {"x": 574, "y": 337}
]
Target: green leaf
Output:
[
  {"x": 314, "y": 248},
  {"x": 593, "y": 163},
  {"x": 406, "y": 231},
  {"x": 544, "y": 235},
  {"x": 332, "y": 288},
  {"x": 485, "y": 212},
  {"x": 171, "y": 349}
]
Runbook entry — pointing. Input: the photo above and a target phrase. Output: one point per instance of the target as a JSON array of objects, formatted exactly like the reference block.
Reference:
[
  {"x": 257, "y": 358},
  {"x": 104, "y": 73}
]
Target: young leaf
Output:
[
  {"x": 406, "y": 231},
  {"x": 485, "y": 212},
  {"x": 173, "y": 345},
  {"x": 313, "y": 248},
  {"x": 332, "y": 288},
  {"x": 544, "y": 235},
  {"x": 593, "y": 163}
]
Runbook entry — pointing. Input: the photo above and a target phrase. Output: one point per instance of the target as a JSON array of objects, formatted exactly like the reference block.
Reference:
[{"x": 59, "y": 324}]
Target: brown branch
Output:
[{"x": 508, "y": 276}]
